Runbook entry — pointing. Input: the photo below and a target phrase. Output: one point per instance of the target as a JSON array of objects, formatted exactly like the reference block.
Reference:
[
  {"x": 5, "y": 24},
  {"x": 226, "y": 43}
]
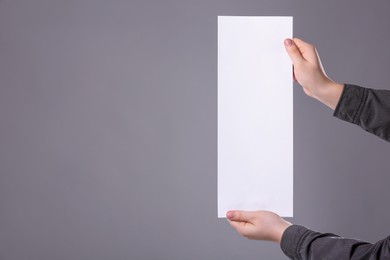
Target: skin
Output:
[
  {"x": 258, "y": 225},
  {"x": 309, "y": 73}
]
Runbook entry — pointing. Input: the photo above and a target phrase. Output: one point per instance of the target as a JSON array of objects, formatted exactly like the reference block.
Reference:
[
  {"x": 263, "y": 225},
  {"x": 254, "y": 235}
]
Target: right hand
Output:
[{"x": 310, "y": 74}]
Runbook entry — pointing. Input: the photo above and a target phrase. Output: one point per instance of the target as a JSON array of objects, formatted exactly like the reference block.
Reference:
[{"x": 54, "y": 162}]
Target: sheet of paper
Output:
[{"x": 255, "y": 115}]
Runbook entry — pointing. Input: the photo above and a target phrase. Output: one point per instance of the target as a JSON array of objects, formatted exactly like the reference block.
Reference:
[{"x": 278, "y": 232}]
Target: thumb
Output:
[
  {"x": 293, "y": 51},
  {"x": 239, "y": 216}
]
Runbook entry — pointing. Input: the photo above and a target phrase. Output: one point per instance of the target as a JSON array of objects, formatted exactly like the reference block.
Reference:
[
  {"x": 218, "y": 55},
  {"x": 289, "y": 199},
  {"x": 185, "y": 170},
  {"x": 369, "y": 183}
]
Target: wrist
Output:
[
  {"x": 279, "y": 234},
  {"x": 329, "y": 93}
]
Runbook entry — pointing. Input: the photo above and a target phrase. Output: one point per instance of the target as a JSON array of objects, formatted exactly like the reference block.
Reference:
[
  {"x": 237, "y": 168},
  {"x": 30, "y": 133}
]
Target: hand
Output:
[
  {"x": 310, "y": 74},
  {"x": 258, "y": 225}
]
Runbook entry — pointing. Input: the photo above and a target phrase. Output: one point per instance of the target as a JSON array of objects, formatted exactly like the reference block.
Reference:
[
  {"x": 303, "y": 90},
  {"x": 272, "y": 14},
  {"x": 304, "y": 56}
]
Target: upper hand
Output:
[{"x": 310, "y": 74}]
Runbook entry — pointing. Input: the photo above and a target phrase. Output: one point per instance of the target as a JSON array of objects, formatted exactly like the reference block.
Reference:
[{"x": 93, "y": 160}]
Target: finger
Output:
[
  {"x": 301, "y": 43},
  {"x": 236, "y": 225},
  {"x": 293, "y": 51},
  {"x": 307, "y": 50},
  {"x": 243, "y": 228},
  {"x": 239, "y": 216}
]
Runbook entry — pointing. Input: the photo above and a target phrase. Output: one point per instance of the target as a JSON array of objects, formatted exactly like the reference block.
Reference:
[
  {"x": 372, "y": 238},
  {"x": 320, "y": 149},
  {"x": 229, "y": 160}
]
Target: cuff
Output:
[
  {"x": 351, "y": 103},
  {"x": 292, "y": 240}
]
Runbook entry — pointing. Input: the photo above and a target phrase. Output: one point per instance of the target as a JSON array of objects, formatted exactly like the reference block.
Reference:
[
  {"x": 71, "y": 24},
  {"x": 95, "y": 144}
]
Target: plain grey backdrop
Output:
[{"x": 108, "y": 145}]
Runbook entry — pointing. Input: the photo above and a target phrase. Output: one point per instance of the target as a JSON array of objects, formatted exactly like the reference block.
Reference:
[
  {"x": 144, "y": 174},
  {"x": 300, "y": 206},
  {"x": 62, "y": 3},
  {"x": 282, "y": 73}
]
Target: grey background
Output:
[{"x": 108, "y": 128}]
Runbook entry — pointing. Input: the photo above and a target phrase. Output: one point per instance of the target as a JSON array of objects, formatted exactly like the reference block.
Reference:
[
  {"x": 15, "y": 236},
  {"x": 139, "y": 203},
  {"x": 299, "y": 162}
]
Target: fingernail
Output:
[
  {"x": 288, "y": 42},
  {"x": 230, "y": 214}
]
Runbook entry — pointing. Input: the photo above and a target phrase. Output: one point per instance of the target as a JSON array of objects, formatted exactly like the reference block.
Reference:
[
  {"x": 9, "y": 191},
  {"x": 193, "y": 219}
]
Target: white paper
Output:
[{"x": 255, "y": 115}]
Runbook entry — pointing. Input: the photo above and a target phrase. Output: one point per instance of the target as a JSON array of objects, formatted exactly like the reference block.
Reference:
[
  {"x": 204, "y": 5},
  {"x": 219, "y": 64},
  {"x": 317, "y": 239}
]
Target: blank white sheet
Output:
[{"x": 255, "y": 115}]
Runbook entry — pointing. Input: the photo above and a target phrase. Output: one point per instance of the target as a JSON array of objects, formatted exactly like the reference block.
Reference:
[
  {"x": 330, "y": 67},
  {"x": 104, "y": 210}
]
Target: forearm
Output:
[
  {"x": 329, "y": 94},
  {"x": 299, "y": 242},
  {"x": 368, "y": 108}
]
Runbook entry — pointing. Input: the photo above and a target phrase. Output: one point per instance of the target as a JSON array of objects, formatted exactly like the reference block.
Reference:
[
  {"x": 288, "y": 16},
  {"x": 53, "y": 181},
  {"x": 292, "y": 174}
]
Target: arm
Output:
[
  {"x": 368, "y": 108},
  {"x": 298, "y": 242}
]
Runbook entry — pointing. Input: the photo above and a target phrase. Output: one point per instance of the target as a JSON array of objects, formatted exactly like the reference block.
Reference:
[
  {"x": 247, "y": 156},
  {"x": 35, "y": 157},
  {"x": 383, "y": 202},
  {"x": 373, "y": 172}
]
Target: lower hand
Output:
[{"x": 258, "y": 225}]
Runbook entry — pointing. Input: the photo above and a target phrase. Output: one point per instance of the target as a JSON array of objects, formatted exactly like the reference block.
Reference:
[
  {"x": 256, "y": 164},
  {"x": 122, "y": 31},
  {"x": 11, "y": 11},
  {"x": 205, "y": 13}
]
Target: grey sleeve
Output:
[
  {"x": 299, "y": 242},
  {"x": 367, "y": 108}
]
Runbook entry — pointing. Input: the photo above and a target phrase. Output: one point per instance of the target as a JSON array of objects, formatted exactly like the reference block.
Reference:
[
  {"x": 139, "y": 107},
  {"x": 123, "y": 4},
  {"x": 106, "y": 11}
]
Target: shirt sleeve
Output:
[
  {"x": 367, "y": 108},
  {"x": 299, "y": 242}
]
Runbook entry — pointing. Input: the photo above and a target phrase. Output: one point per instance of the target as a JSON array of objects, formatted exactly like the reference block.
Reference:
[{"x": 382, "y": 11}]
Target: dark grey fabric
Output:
[
  {"x": 370, "y": 109},
  {"x": 299, "y": 242}
]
